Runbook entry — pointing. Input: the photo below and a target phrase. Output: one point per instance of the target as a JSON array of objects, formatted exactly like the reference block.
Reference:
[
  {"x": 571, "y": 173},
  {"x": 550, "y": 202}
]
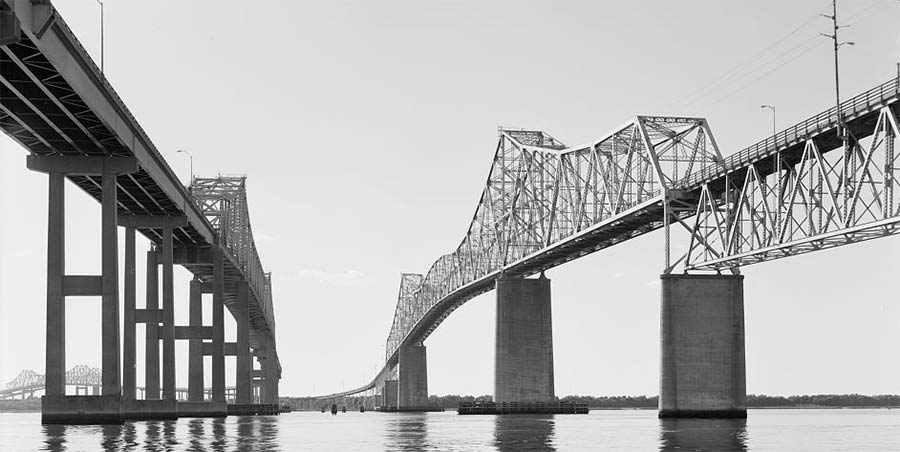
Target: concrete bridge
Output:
[
  {"x": 57, "y": 104},
  {"x": 825, "y": 182}
]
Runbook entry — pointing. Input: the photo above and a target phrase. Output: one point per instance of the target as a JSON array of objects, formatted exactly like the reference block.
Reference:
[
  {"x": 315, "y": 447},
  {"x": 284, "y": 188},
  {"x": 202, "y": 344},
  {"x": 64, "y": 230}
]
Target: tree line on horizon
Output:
[{"x": 452, "y": 401}]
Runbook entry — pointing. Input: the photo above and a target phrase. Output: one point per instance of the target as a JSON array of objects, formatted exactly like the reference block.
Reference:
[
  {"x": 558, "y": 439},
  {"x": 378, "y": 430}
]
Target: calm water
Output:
[{"x": 765, "y": 430}]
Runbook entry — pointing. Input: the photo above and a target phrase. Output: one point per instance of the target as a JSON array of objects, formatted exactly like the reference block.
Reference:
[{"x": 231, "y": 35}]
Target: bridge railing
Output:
[{"x": 814, "y": 125}]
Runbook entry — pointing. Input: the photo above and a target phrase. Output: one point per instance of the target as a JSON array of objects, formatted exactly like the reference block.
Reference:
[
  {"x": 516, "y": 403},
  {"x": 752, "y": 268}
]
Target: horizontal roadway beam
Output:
[{"x": 60, "y": 47}]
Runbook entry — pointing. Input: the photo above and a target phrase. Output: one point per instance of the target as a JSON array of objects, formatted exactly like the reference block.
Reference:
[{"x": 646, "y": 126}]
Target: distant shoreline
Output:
[{"x": 617, "y": 403}]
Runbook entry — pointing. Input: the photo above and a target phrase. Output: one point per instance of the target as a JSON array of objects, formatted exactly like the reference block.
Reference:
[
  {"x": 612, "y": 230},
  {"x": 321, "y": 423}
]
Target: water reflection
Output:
[
  {"x": 111, "y": 436},
  {"x": 523, "y": 432},
  {"x": 218, "y": 434},
  {"x": 160, "y": 436},
  {"x": 129, "y": 434},
  {"x": 268, "y": 433},
  {"x": 703, "y": 434},
  {"x": 196, "y": 434},
  {"x": 408, "y": 431},
  {"x": 54, "y": 437}
]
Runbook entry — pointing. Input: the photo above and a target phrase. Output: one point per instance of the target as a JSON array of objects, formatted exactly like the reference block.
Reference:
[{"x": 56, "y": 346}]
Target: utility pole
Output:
[{"x": 837, "y": 82}]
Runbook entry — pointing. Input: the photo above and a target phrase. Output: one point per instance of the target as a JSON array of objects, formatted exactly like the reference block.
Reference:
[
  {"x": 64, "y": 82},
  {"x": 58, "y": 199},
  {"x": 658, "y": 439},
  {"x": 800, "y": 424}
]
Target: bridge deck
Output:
[{"x": 54, "y": 100}]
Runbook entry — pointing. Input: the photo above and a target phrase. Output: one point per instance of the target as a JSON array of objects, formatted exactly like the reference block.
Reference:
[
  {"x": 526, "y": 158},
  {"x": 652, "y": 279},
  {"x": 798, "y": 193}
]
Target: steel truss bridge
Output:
[
  {"x": 545, "y": 203},
  {"x": 56, "y": 103},
  {"x": 82, "y": 377}
]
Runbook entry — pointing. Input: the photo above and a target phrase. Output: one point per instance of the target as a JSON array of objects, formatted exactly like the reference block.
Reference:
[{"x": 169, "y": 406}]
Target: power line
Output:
[
  {"x": 774, "y": 60},
  {"x": 741, "y": 72},
  {"x": 736, "y": 69},
  {"x": 769, "y": 72}
]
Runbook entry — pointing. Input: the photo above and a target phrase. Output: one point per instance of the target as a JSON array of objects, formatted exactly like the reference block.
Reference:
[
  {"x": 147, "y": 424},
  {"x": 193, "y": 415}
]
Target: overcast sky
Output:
[{"x": 366, "y": 130}]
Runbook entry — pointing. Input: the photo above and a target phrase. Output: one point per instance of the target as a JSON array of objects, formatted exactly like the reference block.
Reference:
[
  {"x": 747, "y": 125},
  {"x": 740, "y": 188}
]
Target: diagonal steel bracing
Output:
[{"x": 544, "y": 203}]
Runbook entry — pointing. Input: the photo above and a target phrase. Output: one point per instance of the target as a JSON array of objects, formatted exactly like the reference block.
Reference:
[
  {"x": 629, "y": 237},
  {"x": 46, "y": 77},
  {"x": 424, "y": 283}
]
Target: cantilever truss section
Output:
[
  {"x": 223, "y": 200},
  {"x": 539, "y": 192},
  {"x": 26, "y": 379},
  {"x": 80, "y": 375},
  {"x": 815, "y": 199}
]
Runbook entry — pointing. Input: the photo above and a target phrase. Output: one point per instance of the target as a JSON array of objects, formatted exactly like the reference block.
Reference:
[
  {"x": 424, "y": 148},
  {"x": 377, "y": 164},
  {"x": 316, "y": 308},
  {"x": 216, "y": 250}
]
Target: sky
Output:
[{"x": 366, "y": 130}]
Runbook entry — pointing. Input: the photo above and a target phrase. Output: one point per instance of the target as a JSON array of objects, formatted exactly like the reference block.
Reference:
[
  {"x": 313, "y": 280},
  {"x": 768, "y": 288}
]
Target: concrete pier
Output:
[
  {"x": 270, "y": 367},
  {"x": 145, "y": 410},
  {"x": 55, "y": 363},
  {"x": 413, "y": 381},
  {"x": 109, "y": 280},
  {"x": 244, "y": 360},
  {"x": 167, "y": 331},
  {"x": 523, "y": 360},
  {"x": 218, "y": 324},
  {"x": 389, "y": 394},
  {"x": 56, "y": 406},
  {"x": 129, "y": 350},
  {"x": 202, "y": 409},
  {"x": 702, "y": 371},
  {"x": 195, "y": 346},
  {"x": 151, "y": 350}
]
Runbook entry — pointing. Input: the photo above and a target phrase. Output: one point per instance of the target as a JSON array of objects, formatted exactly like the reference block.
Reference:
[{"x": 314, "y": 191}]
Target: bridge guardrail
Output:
[{"x": 813, "y": 125}]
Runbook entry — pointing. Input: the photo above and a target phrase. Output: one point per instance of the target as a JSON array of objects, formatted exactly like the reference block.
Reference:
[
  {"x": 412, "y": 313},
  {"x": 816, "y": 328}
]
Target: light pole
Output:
[
  {"x": 191, "y": 180},
  {"x": 101, "y": 36},
  {"x": 774, "y": 129},
  {"x": 837, "y": 83}
]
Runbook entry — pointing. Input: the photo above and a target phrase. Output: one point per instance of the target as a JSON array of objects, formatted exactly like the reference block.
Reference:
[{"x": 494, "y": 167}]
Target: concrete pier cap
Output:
[{"x": 702, "y": 368}]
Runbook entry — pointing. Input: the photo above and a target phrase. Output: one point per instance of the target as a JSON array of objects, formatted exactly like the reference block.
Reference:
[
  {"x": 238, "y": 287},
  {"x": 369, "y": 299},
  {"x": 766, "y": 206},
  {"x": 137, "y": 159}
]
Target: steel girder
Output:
[
  {"x": 810, "y": 193},
  {"x": 540, "y": 193}
]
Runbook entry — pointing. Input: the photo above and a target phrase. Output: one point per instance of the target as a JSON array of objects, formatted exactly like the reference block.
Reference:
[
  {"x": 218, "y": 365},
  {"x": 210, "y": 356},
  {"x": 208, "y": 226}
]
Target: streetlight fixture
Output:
[
  {"x": 191, "y": 180},
  {"x": 773, "y": 117}
]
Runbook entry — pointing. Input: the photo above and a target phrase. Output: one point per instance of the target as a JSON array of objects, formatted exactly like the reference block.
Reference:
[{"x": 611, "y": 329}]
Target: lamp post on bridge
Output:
[
  {"x": 191, "y": 179},
  {"x": 774, "y": 128},
  {"x": 100, "y": 2}
]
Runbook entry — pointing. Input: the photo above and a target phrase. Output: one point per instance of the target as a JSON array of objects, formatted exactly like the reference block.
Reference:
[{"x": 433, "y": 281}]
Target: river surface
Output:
[{"x": 765, "y": 430}]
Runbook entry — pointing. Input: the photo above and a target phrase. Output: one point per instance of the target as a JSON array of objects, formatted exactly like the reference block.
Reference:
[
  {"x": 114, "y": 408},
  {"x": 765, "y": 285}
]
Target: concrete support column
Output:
[
  {"x": 270, "y": 366},
  {"x": 244, "y": 362},
  {"x": 110, "y": 287},
  {"x": 129, "y": 353},
  {"x": 413, "y": 384},
  {"x": 168, "y": 323},
  {"x": 523, "y": 360},
  {"x": 151, "y": 350},
  {"x": 261, "y": 381},
  {"x": 389, "y": 395},
  {"x": 195, "y": 346},
  {"x": 702, "y": 371},
  {"x": 55, "y": 364},
  {"x": 218, "y": 324}
]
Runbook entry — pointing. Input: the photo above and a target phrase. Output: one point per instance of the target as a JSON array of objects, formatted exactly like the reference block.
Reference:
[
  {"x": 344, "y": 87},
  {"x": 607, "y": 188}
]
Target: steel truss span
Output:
[
  {"x": 545, "y": 203},
  {"x": 816, "y": 192}
]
